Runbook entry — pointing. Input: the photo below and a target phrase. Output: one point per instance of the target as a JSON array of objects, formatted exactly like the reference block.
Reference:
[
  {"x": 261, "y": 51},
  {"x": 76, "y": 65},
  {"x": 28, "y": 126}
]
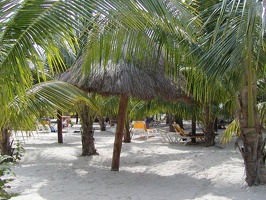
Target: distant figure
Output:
[
  {"x": 147, "y": 122},
  {"x": 221, "y": 124},
  {"x": 150, "y": 120}
]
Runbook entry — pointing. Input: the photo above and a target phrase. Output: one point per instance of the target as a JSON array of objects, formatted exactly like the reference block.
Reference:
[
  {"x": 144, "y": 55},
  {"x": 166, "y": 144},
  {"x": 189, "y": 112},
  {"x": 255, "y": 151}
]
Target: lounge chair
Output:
[
  {"x": 164, "y": 135},
  {"x": 172, "y": 137},
  {"x": 179, "y": 130},
  {"x": 139, "y": 128}
]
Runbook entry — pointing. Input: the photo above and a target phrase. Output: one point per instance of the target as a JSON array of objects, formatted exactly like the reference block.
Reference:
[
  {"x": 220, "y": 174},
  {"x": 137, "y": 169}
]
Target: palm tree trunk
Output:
[
  {"x": 193, "y": 128},
  {"x": 112, "y": 122},
  {"x": 209, "y": 123},
  {"x": 6, "y": 148},
  {"x": 77, "y": 118},
  {"x": 87, "y": 139},
  {"x": 252, "y": 151},
  {"x": 102, "y": 124},
  {"x": 179, "y": 121},
  {"x": 59, "y": 127},
  {"x": 171, "y": 121},
  {"x": 119, "y": 132}
]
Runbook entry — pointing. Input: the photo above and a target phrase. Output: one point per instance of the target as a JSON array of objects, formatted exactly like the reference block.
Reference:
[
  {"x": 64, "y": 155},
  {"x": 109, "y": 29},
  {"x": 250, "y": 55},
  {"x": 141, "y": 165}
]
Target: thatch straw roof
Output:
[{"x": 139, "y": 80}]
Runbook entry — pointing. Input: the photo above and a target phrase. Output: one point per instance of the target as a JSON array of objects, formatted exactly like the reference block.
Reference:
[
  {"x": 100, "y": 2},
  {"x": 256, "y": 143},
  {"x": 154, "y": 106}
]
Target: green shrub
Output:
[
  {"x": 4, "y": 170},
  {"x": 18, "y": 152}
]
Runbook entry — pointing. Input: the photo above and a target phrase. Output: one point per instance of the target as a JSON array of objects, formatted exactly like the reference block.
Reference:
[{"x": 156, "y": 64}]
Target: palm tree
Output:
[
  {"x": 30, "y": 29},
  {"x": 131, "y": 44},
  {"x": 25, "y": 110},
  {"x": 35, "y": 24},
  {"x": 87, "y": 117},
  {"x": 237, "y": 53},
  {"x": 105, "y": 106}
]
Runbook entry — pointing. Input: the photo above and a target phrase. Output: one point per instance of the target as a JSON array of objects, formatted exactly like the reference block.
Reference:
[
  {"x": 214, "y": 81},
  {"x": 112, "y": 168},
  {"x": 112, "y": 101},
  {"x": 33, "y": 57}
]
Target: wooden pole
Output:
[
  {"x": 59, "y": 126},
  {"x": 119, "y": 132}
]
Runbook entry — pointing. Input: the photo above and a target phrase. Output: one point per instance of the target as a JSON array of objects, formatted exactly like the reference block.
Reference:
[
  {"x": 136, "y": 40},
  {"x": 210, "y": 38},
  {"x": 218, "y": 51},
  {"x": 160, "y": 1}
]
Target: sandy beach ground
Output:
[{"x": 149, "y": 169}]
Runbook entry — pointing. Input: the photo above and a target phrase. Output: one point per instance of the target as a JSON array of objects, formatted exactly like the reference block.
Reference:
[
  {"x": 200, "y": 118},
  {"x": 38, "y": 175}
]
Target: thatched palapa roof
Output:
[{"x": 138, "y": 80}]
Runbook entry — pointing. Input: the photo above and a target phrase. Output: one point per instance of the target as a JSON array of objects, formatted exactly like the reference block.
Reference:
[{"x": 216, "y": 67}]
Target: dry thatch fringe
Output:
[{"x": 141, "y": 80}]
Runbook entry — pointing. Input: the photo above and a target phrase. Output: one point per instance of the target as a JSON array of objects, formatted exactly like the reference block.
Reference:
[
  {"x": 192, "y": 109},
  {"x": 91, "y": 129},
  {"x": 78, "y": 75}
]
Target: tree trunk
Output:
[
  {"x": 77, "y": 118},
  {"x": 216, "y": 125},
  {"x": 209, "y": 123},
  {"x": 127, "y": 137},
  {"x": 193, "y": 126},
  {"x": 119, "y": 132},
  {"x": 6, "y": 147},
  {"x": 171, "y": 121},
  {"x": 87, "y": 132},
  {"x": 59, "y": 127},
  {"x": 112, "y": 122},
  {"x": 179, "y": 121},
  {"x": 102, "y": 124},
  {"x": 253, "y": 150}
]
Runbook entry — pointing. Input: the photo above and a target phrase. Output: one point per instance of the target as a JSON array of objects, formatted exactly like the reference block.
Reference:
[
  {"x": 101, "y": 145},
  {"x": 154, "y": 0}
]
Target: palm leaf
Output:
[
  {"x": 45, "y": 98},
  {"x": 232, "y": 129}
]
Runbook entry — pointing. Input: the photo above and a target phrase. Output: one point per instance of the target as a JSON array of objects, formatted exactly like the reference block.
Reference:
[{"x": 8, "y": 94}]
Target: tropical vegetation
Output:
[{"x": 217, "y": 47}]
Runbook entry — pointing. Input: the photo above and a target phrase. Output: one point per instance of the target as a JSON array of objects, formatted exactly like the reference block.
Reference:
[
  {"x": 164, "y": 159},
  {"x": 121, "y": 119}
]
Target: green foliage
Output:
[
  {"x": 18, "y": 152},
  {"x": 232, "y": 129},
  {"x": 4, "y": 170},
  {"x": 5, "y": 162}
]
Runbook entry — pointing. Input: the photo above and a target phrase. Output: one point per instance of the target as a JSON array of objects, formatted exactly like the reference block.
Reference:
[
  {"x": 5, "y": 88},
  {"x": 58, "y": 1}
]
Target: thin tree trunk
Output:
[
  {"x": 193, "y": 126},
  {"x": 87, "y": 133},
  {"x": 77, "y": 118},
  {"x": 216, "y": 125},
  {"x": 102, "y": 124},
  {"x": 209, "y": 123},
  {"x": 119, "y": 131},
  {"x": 59, "y": 127}
]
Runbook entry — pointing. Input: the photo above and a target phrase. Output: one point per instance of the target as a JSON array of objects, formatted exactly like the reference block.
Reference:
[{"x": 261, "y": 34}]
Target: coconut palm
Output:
[
  {"x": 34, "y": 24},
  {"x": 25, "y": 110},
  {"x": 30, "y": 29},
  {"x": 87, "y": 117},
  {"x": 237, "y": 54},
  {"x": 105, "y": 106}
]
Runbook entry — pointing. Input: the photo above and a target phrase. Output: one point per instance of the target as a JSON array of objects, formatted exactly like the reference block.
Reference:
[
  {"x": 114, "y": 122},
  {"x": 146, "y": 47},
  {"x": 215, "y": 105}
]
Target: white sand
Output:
[{"x": 149, "y": 169}]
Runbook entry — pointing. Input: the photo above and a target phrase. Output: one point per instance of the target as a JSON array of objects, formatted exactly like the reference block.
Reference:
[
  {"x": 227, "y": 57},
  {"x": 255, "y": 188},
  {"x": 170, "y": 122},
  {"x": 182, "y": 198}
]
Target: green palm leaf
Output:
[{"x": 45, "y": 98}]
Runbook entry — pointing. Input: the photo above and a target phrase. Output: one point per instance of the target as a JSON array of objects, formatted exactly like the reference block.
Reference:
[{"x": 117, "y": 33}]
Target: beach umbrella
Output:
[
  {"x": 137, "y": 80},
  {"x": 144, "y": 80}
]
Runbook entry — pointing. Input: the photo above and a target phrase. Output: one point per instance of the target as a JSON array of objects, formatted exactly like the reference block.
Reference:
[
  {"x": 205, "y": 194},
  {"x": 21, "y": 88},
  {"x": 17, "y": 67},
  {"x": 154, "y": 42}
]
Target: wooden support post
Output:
[
  {"x": 119, "y": 131},
  {"x": 59, "y": 126}
]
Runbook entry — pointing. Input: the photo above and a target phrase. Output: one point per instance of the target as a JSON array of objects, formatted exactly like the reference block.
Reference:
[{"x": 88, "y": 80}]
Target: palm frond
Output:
[
  {"x": 238, "y": 31},
  {"x": 45, "y": 99},
  {"x": 232, "y": 129}
]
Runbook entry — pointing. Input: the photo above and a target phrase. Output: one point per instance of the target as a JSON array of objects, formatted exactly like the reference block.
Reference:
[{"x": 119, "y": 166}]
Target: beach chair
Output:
[
  {"x": 169, "y": 137},
  {"x": 43, "y": 126},
  {"x": 179, "y": 130},
  {"x": 164, "y": 135},
  {"x": 139, "y": 128}
]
